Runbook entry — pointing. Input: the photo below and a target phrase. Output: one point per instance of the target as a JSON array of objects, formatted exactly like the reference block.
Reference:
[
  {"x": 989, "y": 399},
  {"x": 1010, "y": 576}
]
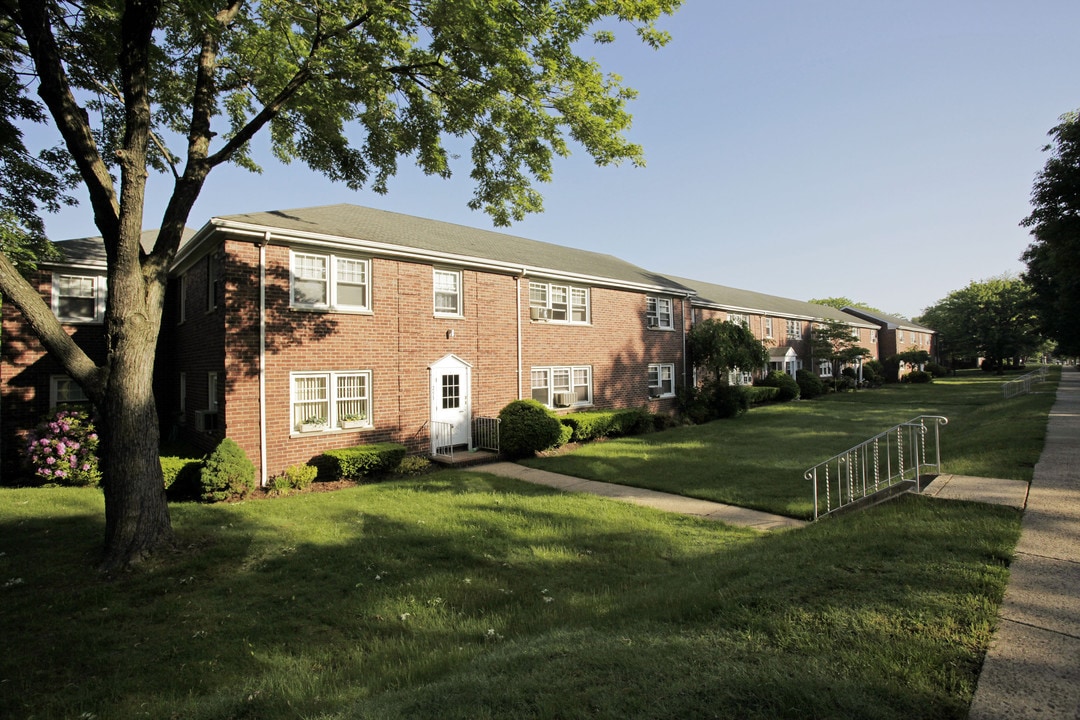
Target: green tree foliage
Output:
[
  {"x": 1053, "y": 258},
  {"x": 347, "y": 86},
  {"x": 994, "y": 319},
  {"x": 718, "y": 347},
  {"x": 842, "y": 302},
  {"x": 832, "y": 342}
]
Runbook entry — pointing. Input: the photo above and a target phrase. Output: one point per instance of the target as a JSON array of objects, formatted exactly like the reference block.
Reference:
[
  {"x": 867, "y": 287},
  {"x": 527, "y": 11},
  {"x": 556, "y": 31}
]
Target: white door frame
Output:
[{"x": 460, "y": 415}]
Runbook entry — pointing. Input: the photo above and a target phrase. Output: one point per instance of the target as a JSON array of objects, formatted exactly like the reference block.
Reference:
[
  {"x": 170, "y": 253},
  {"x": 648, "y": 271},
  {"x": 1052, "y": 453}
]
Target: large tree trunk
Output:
[{"x": 137, "y": 520}]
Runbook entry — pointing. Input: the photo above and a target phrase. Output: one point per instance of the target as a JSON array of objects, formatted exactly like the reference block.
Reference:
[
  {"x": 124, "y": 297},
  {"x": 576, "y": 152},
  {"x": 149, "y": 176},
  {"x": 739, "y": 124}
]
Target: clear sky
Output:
[{"x": 878, "y": 150}]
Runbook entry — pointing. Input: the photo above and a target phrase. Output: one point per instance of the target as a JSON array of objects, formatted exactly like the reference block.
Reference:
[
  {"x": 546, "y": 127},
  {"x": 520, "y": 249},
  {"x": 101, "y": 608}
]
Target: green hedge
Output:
[
  {"x": 759, "y": 394},
  {"x": 607, "y": 423},
  {"x": 181, "y": 474},
  {"x": 528, "y": 427},
  {"x": 356, "y": 462}
]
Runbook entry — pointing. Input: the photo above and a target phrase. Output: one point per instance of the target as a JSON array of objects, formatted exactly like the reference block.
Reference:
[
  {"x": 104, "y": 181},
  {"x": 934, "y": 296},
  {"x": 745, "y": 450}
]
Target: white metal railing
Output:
[
  {"x": 1022, "y": 385},
  {"x": 442, "y": 439},
  {"x": 898, "y": 454},
  {"x": 486, "y": 433}
]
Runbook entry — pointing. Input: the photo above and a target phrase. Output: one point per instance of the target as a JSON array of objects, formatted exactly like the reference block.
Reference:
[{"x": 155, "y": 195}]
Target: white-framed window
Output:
[
  {"x": 213, "y": 282},
  {"x": 558, "y": 303},
  {"x": 562, "y": 386},
  {"x": 825, "y": 368},
  {"x": 78, "y": 298},
  {"x": 329, "y": 282},
  {"x": 321, "y": 401},
  {"x": 768, "y": 327},
  {"x": 182, "y": 285},
  {"x": 855, "y": 333},
  {"x": 794, "y": 330},
  {"x": 900, "y": 336},
  {"x": 447, "y": 288},
  {"x": 873, "y": 337},
  {"x": 739, "y": 319},
  {"x": 65, "y": 391},
  {"x": 661, "y": 380},
  {"x": 658, "y": 312}
]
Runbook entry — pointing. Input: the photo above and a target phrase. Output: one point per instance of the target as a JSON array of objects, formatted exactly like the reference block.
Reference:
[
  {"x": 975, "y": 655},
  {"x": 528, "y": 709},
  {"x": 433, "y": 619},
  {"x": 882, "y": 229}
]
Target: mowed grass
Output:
[
  {"x": 758, "y": 460},
  {"x": 462, "y": 595}
]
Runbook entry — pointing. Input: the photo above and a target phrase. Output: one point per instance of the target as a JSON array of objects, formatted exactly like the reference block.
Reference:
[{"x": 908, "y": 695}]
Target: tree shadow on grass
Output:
[{"x": 411, "y": 599}]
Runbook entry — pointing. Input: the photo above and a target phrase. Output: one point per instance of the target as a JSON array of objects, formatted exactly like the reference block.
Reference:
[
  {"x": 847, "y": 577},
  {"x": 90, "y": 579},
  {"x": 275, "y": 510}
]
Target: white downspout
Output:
[
  {"x": 517, "y": 288},
  {"x": 263, "y": 475}
]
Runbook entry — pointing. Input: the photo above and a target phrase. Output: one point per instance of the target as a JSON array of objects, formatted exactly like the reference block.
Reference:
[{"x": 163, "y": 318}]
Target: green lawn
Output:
[
  {"x": 463, "y": 595},
  {"x": 758, "y": 460}
]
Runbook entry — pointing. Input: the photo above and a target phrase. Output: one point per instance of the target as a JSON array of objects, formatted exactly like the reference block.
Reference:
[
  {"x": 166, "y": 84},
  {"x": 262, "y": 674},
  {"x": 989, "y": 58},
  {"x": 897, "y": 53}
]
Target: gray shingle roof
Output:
[
  {"x": 90, "y": 251},
  {"x": 353, "y": 222},
  {"x": 724, "y": 297},
  {"x": 890, "y": 321}
]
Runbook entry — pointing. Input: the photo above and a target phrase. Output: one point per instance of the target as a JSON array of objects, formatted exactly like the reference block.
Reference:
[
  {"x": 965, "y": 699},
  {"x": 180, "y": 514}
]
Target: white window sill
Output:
[
  {"x": 448, "y": 316},
  {"x": 331, "y": 310},
  {"x": 329, "y": 431}
]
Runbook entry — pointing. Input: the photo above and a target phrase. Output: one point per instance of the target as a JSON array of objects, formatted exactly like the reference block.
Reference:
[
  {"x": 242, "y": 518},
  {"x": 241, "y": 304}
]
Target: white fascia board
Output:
[
  {"x": 777, "y": 314},
  {"x": 292, "y": 238}
]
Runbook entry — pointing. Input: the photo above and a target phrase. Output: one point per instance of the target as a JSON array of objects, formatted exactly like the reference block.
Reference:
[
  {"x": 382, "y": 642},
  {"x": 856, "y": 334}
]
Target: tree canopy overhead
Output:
[
  {"x": 1053, "y": 258},
  {"x": 350, "y": 87}
]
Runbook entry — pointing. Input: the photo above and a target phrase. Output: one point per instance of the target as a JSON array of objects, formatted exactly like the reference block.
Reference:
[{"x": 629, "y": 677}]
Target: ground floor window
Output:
[
  {"x": 65, "y": 391},
  {"x": 562, "y": 386},
  {"x": 661, "y": 379},
  {"x": 330, "y": 400}
]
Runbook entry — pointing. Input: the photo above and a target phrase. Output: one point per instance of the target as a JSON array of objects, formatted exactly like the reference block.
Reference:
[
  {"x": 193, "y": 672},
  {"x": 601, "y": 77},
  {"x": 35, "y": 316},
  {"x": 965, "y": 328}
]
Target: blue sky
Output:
[{"x": 882, "y": 151}]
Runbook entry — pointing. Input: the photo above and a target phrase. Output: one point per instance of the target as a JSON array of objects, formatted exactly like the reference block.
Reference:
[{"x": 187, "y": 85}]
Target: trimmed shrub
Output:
[
  {"x": 936, "y": 370},
  {"x": 527, "y": 427},
  {"x": 663, "y": 421},
  {"x": 760, "y": 394},
  {"x": 787, "y": 388},
  {"x": 917, "y": 377},
  {"x": 63, "y": 449},
  {"x": 182, "y": 477},
  {"x": 227, "y": 473},
  {"x": 873, "y": 373},
  {"x": 597, "y": 424},
  {"x": 354, "y": 463},
  {"x": 810, "y": 385},
  {"x": 729, "y": 401}
]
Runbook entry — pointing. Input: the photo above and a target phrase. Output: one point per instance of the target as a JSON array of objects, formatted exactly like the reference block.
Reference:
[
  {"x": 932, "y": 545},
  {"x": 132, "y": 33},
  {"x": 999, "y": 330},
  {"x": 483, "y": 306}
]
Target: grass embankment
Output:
[
  {"x": 758, "y": 460},
  {"x": 461, "y": 595}
]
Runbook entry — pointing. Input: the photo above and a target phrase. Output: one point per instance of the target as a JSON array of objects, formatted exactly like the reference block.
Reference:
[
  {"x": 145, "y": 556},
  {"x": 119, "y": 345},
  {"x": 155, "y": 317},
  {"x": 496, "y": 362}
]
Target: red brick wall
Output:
[{"x": 397, "y": 342}]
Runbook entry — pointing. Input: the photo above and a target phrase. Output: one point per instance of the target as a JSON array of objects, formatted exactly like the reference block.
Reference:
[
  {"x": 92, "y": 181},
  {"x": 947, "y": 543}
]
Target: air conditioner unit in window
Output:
[
  {"x": 206, "y": 420},
  {"x": 565, "y": 399},
  {"x": 652, "y": 322},
  {"x": 540, "y": 313}
]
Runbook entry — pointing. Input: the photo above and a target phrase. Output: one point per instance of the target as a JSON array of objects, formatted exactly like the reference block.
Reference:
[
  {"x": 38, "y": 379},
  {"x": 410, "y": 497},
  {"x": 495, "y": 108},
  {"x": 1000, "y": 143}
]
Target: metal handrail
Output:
[
  {"x": 1022, "y": 385},
  {"x": 442, "y": 439},
  {"x": 486, "y": 433},
  {"x": 876, "y": 464}
]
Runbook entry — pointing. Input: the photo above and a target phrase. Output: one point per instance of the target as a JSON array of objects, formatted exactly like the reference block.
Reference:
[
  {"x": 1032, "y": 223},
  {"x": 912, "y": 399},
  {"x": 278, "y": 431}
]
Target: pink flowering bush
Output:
[{"x": 63, "y": 449}]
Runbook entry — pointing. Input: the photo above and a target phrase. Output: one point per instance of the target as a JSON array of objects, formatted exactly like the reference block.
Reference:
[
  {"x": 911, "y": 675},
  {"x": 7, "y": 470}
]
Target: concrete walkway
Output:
[
  {"x": 1032, "y": 669},
  {"x": 647, "y": 498}
]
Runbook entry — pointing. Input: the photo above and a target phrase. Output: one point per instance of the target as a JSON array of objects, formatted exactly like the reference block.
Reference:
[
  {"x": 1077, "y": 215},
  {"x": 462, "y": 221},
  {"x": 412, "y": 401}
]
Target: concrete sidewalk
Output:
[
  {"x": 647, "y": 498},
  {"x": 1032, "y": 669}
]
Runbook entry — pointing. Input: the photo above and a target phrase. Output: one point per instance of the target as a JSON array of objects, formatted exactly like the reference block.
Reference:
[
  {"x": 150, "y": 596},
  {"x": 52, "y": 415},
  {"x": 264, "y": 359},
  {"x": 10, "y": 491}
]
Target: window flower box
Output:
[
  {"x": 312, "y": 424},
  {"x": 353, "y": 421}
]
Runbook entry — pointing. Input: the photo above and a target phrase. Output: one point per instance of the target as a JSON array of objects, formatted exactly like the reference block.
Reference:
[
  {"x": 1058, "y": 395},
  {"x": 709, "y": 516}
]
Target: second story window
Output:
[
  {"x": 794, "y": 330},
  {"x": 78, "y": 298},
  {"x": 558, "y": 303},
  {"x": 658, "y": 312},
  {"x": 328, "y": 282},
  {"x": 739, "y": 319},
  {"x": 447, "y": 292},
  {"x": 768, "y": 327}
]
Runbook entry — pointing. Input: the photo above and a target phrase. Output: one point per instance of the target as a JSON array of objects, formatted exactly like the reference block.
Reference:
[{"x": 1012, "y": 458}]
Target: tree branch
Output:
[{"x": 70, "y": 118}]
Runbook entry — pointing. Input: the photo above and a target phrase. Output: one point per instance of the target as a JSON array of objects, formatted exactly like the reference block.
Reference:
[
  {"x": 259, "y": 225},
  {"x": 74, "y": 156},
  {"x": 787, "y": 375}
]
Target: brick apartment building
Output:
[{"x": 294, "y": 332}]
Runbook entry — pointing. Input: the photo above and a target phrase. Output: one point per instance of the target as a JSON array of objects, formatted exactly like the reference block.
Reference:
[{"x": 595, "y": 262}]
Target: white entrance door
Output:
[{"x": 451, "y": 399}]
